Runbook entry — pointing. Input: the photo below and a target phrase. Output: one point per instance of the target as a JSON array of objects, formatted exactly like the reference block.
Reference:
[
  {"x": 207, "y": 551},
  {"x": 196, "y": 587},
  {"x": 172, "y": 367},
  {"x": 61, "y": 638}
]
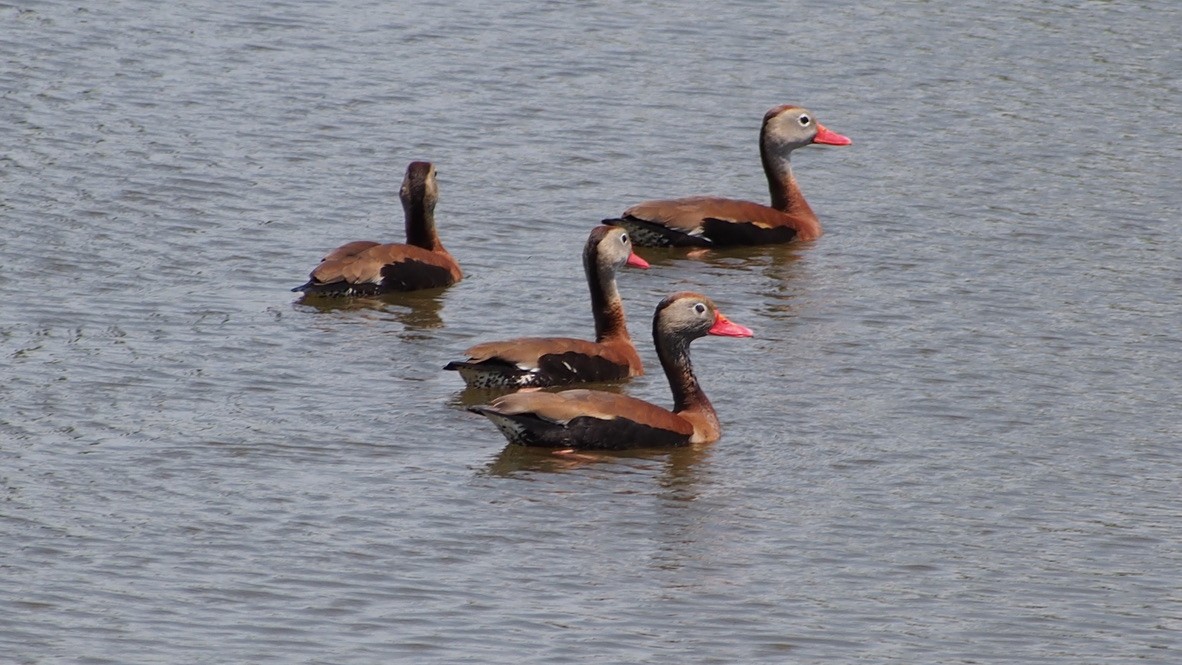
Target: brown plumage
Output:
[
  {"x": 366, "y": 268},
  {"x": 597, "y": 420},
  {"x": 552, "y": 361},
  {"x": 707, "y": 221}
]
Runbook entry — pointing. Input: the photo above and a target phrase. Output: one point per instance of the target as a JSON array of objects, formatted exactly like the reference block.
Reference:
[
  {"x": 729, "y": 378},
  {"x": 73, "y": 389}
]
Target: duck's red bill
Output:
[
  {"x": 829, "y": 137},
  {"x": 636, "y": 262},
  {"x": 723, "y": 326}
]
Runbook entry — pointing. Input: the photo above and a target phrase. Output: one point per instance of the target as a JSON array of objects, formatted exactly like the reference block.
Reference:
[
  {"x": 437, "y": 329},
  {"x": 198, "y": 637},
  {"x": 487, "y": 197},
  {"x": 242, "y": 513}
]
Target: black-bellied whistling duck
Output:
[
  {"x": 366, "y": 268},
  {"x": 553, "y": 361},
  {"x": 708, "y": 221},
  {"x": 593, "y": 419}
]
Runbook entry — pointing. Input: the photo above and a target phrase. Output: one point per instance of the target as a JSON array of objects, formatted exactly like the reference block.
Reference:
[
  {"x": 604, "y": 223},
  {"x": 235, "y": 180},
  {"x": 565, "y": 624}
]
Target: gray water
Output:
[{"x": 954, "y": 439}]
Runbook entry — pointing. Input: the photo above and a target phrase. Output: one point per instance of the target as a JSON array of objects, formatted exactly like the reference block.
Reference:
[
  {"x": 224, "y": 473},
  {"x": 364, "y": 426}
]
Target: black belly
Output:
[
  {"x": 413, "y": 276},
  {"x": 723, "y": 233},
  {"x": 396, "y": 277},
  {"x": 588, "y": 433},
  {"x": 715, "y": 233},
  {"x": 556, "y": 369}
]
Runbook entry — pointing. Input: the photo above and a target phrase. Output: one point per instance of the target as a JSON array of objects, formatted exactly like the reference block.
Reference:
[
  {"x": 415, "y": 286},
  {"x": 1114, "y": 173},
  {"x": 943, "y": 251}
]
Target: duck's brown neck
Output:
[
  {"x": 673, "y": 350},
  {"x": 606, "y": 305},
  {"x": 786, "y": 195},
  {"x": 420, "y": 225}
]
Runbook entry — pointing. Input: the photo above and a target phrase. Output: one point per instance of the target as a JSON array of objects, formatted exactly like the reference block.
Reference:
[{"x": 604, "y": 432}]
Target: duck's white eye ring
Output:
[
  {"x": 624, "y": 238},
  {"x": 804, "y": 120},
  {"x": 700, "y": 308}
]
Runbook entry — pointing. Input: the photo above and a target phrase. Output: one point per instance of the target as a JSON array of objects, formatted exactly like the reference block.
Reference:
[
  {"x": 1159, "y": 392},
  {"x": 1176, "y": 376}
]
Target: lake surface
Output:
[{"x": 955, "y": 438}]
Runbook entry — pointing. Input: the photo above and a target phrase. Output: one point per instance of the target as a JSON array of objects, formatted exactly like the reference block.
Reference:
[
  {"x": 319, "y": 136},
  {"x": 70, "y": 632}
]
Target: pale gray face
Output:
[
  {"x": 616, "y": 247},
  {"x": 688, "y": 314},
  {"x": 792, "y": 128}
]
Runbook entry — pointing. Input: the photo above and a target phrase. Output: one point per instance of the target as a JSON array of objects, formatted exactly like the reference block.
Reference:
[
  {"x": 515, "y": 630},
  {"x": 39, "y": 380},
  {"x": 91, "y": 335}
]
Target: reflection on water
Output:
[
  {"x": 674, "y": 470},
  {"x": 515, "y": 459},
  {"x": 417, "y": 311},
  {"x": 725, "y": 257},
  {"x": 683, "y": 471}
]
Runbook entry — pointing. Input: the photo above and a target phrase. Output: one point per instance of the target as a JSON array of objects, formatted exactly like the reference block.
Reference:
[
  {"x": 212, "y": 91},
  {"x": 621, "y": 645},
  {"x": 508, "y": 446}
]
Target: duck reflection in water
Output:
[
  {"x": 679, "y": 469},
  {"x": 418, "y": 311}
]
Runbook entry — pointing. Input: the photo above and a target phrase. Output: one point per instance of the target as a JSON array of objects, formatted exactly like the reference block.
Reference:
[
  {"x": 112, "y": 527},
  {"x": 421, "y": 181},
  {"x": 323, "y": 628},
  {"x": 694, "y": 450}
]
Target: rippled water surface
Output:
[{"x": 954, "y": 439}]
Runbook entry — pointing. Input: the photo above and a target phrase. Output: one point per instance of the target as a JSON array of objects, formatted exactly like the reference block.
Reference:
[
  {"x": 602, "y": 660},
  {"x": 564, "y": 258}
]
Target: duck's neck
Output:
[
  {"x": 606, "y": 305},
  {"x": 688, "y": 398},
  {"x": 420, "y": 225},
  {"x": 786, "y": 195}
]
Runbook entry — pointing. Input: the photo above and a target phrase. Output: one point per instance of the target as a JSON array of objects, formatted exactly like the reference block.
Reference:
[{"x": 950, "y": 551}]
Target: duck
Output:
[
  {"x": 583, "y": 419},
  {"x": 709, "y": 221},
  {"x": 552, "y": 361},
  {"x": 367, "y": 268}
]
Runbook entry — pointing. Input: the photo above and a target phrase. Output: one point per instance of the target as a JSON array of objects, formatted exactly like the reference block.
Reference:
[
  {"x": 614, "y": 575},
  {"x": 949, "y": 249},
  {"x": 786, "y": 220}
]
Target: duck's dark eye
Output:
[
  {"x": 700, "y": 308},
  {"x": 805, "y": 120},
  {"x": 624, "y": 238}
]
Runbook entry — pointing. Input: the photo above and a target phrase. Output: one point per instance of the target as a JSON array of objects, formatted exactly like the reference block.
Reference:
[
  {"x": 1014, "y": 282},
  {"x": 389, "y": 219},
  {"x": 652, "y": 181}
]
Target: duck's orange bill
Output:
[
  {"x": 723, "y": 326},
  {"x": 829, "y": 137},
  {"x": 636, "y": 262}
]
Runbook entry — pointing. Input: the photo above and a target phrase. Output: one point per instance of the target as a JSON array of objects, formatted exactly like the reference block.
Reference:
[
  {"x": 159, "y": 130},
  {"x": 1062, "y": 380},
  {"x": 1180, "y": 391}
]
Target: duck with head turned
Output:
[
  {"x": 367, "y": 268},
  {"x": 708, "y": 221},
  {"x": 551, "y": 361},
  {"x": 596, "y": 420}
]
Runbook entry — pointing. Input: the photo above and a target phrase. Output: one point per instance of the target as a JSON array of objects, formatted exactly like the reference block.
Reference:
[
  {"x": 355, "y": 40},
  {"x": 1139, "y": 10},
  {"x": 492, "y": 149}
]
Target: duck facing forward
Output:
[
  {"x": 552, "y": 361},
  {"x": 367, "y": 268},
  {"x": 597, "y": 420},
  {"x": 708, "y": 221}
]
